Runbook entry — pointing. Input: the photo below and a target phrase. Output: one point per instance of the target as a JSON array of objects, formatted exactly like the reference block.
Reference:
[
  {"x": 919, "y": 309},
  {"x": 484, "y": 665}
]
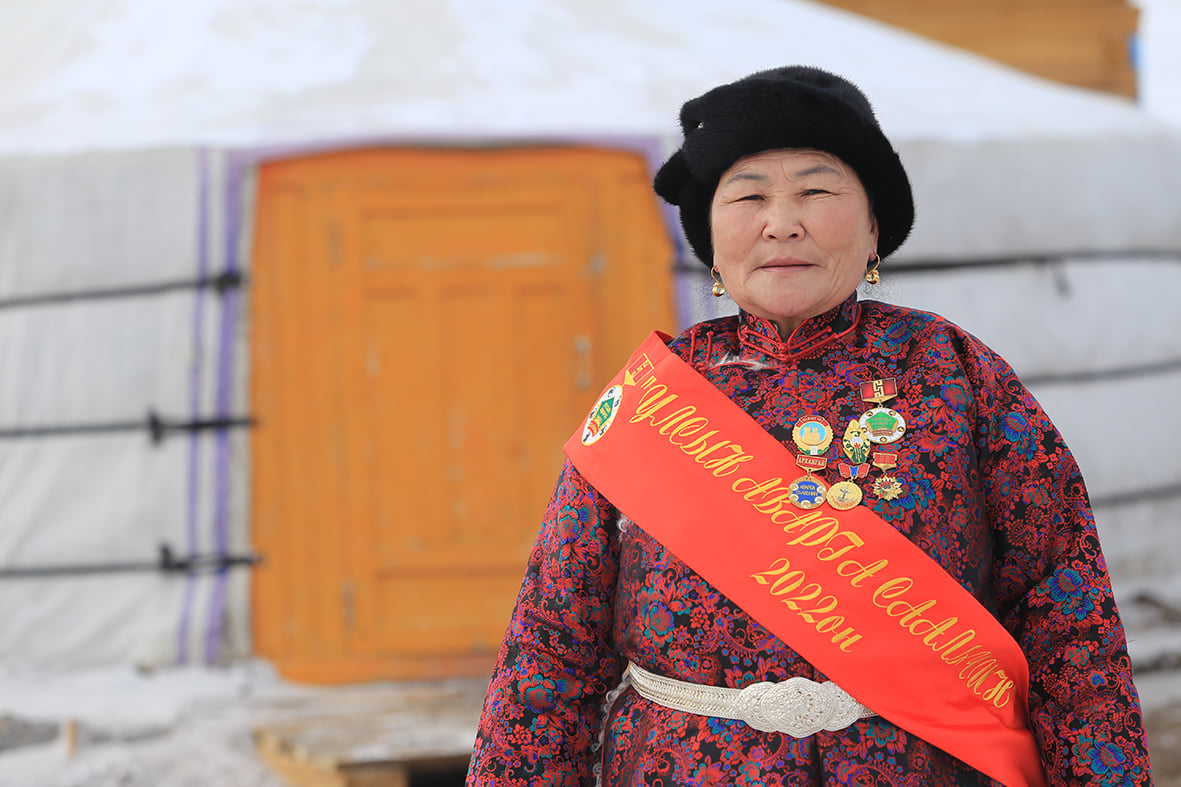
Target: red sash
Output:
[{"x": 845, "y": 589}]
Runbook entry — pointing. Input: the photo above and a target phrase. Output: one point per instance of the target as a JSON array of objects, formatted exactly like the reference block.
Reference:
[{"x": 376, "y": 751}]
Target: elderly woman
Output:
[{"x": 826, "y": 541}]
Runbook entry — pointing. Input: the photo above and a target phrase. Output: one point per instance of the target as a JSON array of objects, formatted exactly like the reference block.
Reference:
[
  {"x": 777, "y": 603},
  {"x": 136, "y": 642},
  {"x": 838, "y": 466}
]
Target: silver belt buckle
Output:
[{"x": 797, "y": 706}]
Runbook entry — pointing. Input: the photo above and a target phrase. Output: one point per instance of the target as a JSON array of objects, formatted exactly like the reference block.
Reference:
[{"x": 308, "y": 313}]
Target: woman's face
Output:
[{"x": 792, "y": 233}]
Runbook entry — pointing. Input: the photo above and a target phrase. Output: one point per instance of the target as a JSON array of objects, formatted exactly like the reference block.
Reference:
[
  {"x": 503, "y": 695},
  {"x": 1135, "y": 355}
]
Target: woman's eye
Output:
[
  {"x": 750, "y": 197},
  {"x": 814, "y": 192}
]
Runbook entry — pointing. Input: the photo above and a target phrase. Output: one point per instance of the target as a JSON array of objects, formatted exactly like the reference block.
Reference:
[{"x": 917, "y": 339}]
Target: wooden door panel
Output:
[
  {"x": 429, "y": 327},
  {"x": 480, "y": 327},
  {"x": 499, "y": 276}
]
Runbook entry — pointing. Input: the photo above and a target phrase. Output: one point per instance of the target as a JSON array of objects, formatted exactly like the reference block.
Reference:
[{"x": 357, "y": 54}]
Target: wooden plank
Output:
[
  {"x": 293, "y": 770},
  {"x": 298, "y": 771},
  {"x": 1077, "y": 42},
  {"x": 370, "y": 736}
]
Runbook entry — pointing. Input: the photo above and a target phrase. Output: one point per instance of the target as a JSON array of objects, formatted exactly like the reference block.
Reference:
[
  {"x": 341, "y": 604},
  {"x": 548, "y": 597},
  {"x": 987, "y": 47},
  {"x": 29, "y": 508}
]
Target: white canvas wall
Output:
[
  {"x": 1095, "y": 339},
  {"x": 1050, "y": 194},
  {"x": 1158, "y": 59},
  {"x": 86, "y": 224}
]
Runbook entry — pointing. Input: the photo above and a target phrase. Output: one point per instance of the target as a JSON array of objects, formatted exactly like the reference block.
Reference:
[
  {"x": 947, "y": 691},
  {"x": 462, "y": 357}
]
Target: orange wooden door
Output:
[{"x": 428, "y": 328}]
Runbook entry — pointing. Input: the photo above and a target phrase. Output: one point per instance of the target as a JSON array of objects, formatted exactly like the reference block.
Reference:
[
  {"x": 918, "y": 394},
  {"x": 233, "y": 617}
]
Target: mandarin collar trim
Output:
[{"x": 759, "y": 334}]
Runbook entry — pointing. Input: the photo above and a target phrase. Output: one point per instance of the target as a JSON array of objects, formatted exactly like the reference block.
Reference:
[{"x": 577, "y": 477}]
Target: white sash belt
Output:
[{"x": 796, "y": 706}]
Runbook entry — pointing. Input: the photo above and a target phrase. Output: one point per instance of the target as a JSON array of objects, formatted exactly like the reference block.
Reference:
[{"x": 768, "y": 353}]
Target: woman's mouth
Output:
[{"x": 785, "y": 263}]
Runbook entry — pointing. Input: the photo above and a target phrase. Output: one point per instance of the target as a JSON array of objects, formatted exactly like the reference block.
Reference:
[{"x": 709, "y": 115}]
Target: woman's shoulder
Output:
[
  {"x": 879, "y": 314},
  {"x": 926, "y": 340},
  {"x": 889, "y": 320}
]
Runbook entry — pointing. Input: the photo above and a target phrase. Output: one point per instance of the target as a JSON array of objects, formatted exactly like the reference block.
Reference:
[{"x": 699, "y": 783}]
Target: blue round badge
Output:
[{"x": 806, "y": 492}]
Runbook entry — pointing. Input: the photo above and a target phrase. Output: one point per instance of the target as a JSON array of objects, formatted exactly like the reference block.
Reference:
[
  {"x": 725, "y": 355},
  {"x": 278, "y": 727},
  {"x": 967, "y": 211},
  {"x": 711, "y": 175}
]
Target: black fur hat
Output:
[{"x": 790, "y": 107}]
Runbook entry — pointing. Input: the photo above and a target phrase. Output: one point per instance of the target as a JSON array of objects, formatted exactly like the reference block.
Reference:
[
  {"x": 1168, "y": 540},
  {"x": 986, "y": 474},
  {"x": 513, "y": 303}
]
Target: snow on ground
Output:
[
  {"x": 192, "y": 727},
  {"x": 185, "y": 727},
  {"x": 212, "y": 750}
]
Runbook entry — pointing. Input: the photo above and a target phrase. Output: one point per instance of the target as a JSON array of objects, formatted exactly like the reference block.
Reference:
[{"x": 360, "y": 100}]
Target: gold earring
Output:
[
  {"x": 871, "y": 275},
  {"x": 719, "y": 288}
]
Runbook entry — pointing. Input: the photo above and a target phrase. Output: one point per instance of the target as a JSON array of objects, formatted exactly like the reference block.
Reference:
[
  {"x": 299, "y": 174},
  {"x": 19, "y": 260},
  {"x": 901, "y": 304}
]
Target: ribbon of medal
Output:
[{"x": 823, "y": 573}]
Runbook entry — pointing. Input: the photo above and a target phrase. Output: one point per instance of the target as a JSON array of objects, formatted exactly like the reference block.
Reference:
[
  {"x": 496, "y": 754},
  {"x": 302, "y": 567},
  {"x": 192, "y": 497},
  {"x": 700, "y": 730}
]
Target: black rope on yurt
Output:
[
  {"x": 1037, "y": 260},
  {"x": 156, "y": 427},
  {"x": 165, "y": 563},
  {"x": 221, "y": 283}
]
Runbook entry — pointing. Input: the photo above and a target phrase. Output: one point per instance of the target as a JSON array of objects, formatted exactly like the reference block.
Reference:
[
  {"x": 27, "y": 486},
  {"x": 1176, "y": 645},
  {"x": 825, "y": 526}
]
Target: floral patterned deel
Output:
[{"x": 989, "y": 491}]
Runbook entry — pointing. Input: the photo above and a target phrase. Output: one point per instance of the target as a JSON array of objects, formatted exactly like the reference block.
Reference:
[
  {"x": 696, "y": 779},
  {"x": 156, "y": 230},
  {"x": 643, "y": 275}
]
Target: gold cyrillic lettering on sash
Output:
[
  {"x": 685, "y": 428},
  {"x": 859, "y": 571},
  {"x": 810, "y": 602}
]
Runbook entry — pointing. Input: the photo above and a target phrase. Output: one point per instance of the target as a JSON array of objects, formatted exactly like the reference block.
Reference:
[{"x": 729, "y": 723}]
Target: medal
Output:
[
  {"x": 810, "y": 463},
  {"x": 854, "y": 443},
  {"x": 883, "y": 425},
  {"x": 807, "y": 491},
  {"x": 888, "y": 488},
  {"x": 844, "y": 495},
  {"x": 854, "y": 471},
  {"x": 812, "y": 435},
  {"x": 879, "y": 391}
]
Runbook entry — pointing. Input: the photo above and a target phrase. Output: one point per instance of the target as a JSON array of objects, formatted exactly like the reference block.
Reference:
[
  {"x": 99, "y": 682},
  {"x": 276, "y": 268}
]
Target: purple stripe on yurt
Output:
[
  {"x": 182, "y": 637},
  {"x": 222, "y": 403}
]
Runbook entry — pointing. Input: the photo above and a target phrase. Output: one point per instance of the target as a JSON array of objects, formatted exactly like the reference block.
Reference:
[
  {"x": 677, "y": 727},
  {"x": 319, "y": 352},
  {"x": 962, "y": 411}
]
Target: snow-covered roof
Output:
[
  {"x": 1034, "y": 167},
  {"x": 140, "y": 73}
]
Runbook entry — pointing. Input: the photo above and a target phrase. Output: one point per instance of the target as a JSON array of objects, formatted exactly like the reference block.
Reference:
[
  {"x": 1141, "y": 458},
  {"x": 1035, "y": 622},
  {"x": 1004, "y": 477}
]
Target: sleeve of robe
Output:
[
  {"x": 544, "y": 708},
  {"x": 1053, "y": 589}
]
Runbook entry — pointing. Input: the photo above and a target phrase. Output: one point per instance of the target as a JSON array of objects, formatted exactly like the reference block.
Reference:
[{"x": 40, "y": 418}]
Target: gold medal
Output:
[
  {"x": 855, "y": 443},
  {"x": 888, "y": 488},
  {"x": 844, "y": 495},
  {"x": 812, "y": 435}
]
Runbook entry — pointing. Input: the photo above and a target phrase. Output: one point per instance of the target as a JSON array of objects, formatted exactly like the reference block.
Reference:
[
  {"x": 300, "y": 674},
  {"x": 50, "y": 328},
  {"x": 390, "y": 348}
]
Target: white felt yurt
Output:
[{"x": 170, "y": 173}]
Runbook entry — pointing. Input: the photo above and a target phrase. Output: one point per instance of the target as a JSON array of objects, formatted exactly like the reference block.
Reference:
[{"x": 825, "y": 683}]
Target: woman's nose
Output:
[{"x": 781, "y": 223}]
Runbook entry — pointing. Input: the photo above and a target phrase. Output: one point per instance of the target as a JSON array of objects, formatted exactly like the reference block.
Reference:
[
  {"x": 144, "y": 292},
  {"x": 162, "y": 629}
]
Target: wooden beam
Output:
[{"x": 1086, "y": 43}]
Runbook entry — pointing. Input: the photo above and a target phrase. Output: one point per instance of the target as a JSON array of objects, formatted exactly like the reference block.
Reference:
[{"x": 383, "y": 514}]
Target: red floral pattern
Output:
[{"x": 990, "y": 492}]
